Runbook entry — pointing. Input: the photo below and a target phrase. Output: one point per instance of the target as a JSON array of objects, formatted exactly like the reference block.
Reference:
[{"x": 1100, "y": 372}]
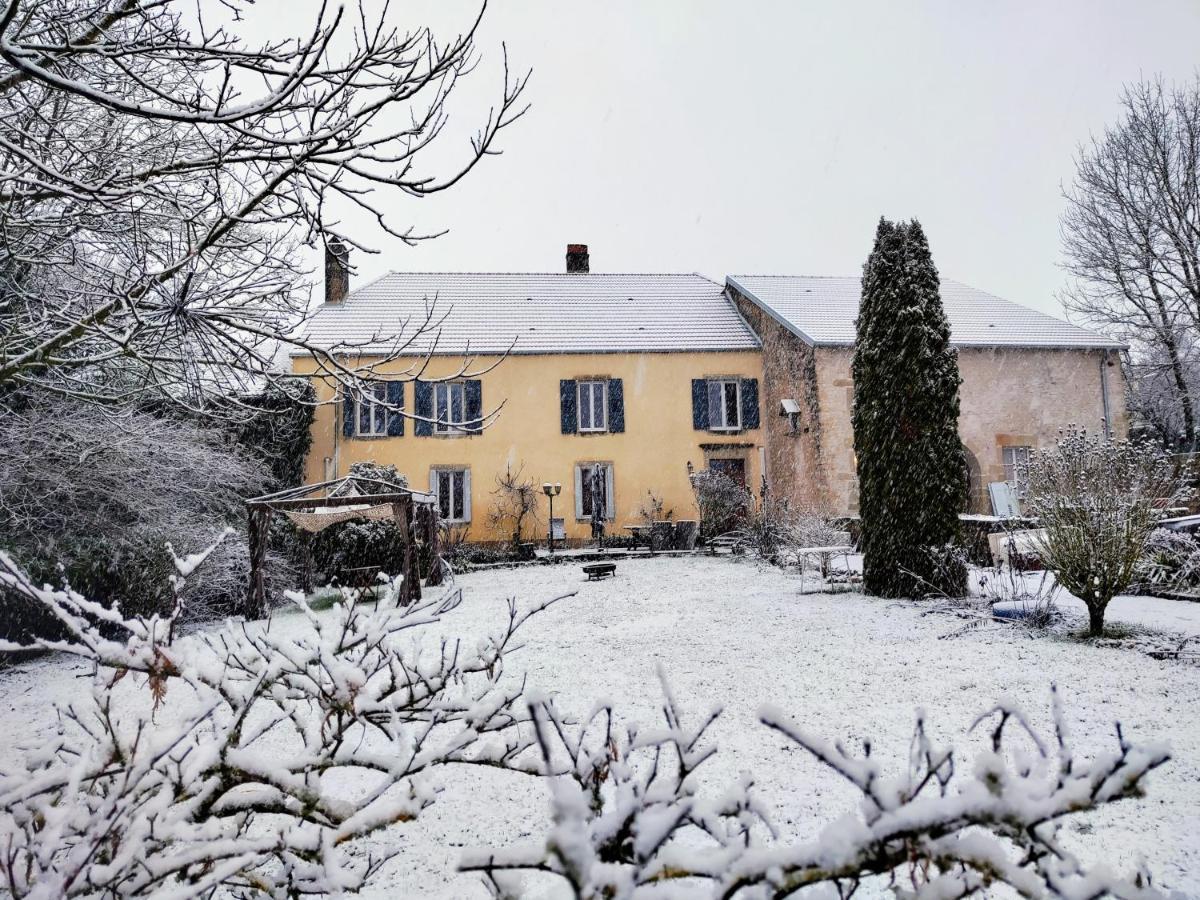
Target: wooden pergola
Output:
[{"x": 313, "y": 507}]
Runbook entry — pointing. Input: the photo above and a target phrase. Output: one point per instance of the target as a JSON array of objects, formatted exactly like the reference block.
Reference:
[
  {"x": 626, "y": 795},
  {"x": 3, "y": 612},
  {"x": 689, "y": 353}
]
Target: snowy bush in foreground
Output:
[
  {"x": 255, "y": 759},
  {"x": 628, "y": 817}
]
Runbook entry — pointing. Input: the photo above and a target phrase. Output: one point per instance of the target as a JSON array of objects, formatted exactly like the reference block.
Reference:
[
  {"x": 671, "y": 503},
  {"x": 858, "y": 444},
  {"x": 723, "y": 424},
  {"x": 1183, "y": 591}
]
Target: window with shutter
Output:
[
  {"x": 371, "y": 414},
  {"x": 449, "y": 408},
  {"x": 593, "y": 406},
  {"x": 724, "y": 404}
]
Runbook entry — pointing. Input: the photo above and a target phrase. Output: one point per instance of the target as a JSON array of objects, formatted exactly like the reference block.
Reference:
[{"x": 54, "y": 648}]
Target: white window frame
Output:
[
  {"x": 435, "y": 487},
  {"x": 1012, "y": 457},
  {"x": 443, "y": 394},
  {"x": 721, "y": 384},
  {"x": 591, "y": 385},
  {"x": 376, "y": 408},
  {"x": 610, "y": 512}
]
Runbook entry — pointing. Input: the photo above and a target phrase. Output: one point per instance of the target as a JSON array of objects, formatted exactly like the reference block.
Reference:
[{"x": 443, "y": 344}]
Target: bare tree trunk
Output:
[
  {"x": 1186, "y": 409},
  {"x": 1096, "y": 618},
  {"x": 1170, "y": 344},
  {"x": 427, "y": 519}
]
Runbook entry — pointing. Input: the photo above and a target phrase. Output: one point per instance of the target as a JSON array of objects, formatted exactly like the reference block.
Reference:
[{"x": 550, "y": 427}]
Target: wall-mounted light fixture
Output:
[{"x": 791, "y": 409}]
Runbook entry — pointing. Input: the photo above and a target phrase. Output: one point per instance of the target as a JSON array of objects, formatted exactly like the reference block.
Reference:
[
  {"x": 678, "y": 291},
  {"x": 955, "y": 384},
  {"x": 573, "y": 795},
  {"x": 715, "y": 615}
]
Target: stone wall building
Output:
[{"x": 1025, "y": 376}]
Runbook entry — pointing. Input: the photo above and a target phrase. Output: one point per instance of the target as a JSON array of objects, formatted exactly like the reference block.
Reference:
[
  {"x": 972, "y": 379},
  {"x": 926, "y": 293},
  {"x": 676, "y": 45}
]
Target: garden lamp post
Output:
[{"x": 551, "y": 491}]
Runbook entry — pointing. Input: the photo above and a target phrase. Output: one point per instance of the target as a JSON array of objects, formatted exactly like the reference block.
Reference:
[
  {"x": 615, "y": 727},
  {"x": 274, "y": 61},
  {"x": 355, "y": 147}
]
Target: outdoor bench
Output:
[{"x": 596, "y": 571}]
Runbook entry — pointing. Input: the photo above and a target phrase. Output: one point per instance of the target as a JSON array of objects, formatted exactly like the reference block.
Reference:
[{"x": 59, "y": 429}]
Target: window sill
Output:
[{"x": 373, "y": 437}]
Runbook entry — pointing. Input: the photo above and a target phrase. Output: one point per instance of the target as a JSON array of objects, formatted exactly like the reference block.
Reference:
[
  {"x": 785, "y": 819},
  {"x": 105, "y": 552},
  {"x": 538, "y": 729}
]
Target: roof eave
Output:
[
  {"x": 993, "y": 345},
  {"x": 770, "y": 311}
]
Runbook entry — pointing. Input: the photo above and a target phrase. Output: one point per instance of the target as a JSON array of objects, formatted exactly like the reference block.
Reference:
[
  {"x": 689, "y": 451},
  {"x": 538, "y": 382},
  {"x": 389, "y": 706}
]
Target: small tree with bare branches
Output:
[
  {"x": 514, "y": 504},
  {"x": 1098, "y": 502},
  {"x": 1131, "y": 237}
]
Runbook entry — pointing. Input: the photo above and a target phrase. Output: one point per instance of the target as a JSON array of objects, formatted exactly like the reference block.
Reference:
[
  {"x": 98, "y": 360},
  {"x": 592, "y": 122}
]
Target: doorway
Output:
[{"x": 734, "y": 469}]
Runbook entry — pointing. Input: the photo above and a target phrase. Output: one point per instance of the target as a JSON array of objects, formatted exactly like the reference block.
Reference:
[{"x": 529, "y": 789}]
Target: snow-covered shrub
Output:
[
  {"x": 721, "y": 500},
  {"x": 355, "y": 544},
  {"x": 1171, "y": 562},
  {"x": 1097, "y": 501},
  {"x": 278, "y": 429},
  {"x": 383, "y": 474},
  {"x": 90, "y": 496},
  {"x": 359, "y": 543},
  {"x": 250, "y": 759},
  {"x": 774, "y": 531},
  {"x": 629, "y": 818}
]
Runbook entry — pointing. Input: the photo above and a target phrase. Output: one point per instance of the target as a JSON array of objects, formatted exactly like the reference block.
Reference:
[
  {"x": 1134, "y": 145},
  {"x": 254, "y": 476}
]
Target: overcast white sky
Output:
[{"x": 757, "y": 137}]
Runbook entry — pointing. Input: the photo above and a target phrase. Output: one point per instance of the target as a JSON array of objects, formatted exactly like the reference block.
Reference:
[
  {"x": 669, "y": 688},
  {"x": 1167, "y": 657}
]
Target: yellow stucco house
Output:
[
  {"x": 644, "y": 378},
  {"x": 641, "y": 376}
]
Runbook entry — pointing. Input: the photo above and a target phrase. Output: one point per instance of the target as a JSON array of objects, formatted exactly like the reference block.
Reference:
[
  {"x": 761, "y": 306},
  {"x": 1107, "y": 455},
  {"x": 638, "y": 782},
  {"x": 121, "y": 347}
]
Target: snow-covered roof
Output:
[
  {"x": 822, "y": 310},
  {"x": 535, "y": 313}
]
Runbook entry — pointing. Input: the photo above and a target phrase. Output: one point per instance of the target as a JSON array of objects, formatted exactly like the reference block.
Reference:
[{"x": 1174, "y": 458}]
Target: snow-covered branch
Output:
[
  {"x": 159, "y": 175},
  {"x": 231, "y": 769},
  {"x": 629, "y": 816}
]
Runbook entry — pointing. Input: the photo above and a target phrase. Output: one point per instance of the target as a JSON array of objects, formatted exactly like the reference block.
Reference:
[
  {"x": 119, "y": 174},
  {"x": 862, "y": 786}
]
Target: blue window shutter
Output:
[
  {"x": 616, "y": 406},
  {"x": 423, "y": 408},
  {"x": 749, "y": 403},
  {"x": 347, "y": 413},
  {"x": 395, "y": 397},
  {"x": 568, "y": 398},
  {"x": 473, "y": 395},
  {"x": 700, "y": 404}
]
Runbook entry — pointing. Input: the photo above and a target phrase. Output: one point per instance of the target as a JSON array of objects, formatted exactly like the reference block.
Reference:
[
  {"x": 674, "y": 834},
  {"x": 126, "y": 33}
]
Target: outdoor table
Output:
[{"x": 823, "y": 556}]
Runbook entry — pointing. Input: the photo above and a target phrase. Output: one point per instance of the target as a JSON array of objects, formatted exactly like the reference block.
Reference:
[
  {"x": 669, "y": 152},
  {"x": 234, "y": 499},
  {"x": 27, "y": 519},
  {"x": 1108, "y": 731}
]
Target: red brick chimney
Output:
[
  {"x": 577, "y": 258},
  {"x": 337, "y": 271}
]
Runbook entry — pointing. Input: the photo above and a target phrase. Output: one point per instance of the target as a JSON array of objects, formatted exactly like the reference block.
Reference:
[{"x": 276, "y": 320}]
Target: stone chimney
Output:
[
  {"x": 337, "y": 271},
  {"x": 577, "y": 258}
]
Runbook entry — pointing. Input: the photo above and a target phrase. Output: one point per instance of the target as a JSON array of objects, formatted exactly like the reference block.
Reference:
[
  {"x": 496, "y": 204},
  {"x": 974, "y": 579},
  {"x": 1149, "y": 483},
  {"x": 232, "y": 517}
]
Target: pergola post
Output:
[
  {"x": 259, "y": 523},
  {"x": 411, "y": 588},
  {"x": 428, "y": 522}
]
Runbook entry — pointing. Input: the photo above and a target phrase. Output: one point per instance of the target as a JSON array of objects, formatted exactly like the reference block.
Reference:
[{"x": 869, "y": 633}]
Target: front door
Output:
[{"x": 734, "y": 469}]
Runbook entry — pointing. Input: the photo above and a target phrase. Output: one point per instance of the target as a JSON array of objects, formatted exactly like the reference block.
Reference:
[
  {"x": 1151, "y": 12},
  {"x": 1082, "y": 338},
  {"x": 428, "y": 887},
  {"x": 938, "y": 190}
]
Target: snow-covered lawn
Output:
[{"x": 737, "y": 634}]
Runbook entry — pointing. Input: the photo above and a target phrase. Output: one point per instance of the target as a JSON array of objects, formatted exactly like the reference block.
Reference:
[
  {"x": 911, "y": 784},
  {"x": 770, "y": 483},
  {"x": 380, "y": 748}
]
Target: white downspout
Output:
[{"x": 1108, "y": 432}]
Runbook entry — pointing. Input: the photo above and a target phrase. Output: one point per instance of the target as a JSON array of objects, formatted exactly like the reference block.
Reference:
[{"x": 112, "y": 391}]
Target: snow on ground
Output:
[{"x": 737, "y": 634}]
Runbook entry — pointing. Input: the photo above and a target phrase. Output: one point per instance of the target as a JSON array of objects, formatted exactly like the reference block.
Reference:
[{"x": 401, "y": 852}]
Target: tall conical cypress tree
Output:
[{"x": 911, "y": 465}]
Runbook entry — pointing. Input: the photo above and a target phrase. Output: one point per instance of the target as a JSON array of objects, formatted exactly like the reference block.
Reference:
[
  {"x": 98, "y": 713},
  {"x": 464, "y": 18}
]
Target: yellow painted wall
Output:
[{"x": 651, "y": 455}]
